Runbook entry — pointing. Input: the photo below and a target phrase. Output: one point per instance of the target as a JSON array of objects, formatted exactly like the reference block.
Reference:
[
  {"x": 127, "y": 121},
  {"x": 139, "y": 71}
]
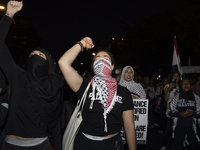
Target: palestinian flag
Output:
[{"x": 176, "y": 63}]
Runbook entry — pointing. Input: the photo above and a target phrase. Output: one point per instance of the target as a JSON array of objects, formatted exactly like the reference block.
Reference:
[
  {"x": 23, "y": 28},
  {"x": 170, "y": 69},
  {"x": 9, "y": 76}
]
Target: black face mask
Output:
[
  {"x": 37, "y": 67},
  {"x": 43, "y": 85}
]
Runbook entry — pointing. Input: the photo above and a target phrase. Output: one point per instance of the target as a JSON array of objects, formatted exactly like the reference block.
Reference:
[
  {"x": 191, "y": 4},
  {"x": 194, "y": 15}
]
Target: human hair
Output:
[
  {"x": 109, "y": 53},
  {"x": 181, "y": 89},
  {"x": 186, "y": 79},
  {"x": 172, "y": 74}
]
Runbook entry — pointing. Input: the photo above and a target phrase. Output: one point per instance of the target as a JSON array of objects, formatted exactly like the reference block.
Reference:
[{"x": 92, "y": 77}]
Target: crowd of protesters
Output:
[{"x": 37, "y": 104}]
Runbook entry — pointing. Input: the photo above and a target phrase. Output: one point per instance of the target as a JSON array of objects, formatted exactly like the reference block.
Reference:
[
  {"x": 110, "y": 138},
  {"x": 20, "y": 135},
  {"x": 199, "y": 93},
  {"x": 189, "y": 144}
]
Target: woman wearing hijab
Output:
[
  {"x": 136, "y": 89},
  {"x": 185, "y": 109},
  {"x": 34, "y": 94},
  {"x": 127, "y": 81},
  {"x": 107, "y": 104}
]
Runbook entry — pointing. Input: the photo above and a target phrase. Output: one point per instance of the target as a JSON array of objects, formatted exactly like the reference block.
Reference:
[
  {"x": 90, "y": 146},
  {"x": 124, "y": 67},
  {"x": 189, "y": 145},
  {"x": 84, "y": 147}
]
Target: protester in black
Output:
[{"x": 34, "y": 101}]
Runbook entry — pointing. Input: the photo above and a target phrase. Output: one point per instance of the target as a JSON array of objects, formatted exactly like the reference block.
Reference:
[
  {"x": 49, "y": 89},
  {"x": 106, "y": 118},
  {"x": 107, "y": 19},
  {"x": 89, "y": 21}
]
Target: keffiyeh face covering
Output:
[{"x": 105, "y": 85}]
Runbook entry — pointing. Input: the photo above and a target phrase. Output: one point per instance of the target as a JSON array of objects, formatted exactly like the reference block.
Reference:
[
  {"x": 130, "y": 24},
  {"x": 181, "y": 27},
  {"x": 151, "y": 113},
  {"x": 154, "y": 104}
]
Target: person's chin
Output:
[{"x": 128, "y": 80}]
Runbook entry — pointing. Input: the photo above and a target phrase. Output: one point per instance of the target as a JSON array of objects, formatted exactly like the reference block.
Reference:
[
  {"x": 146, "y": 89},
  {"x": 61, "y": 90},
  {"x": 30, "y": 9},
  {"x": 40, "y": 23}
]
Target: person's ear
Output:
[{"x": 113, "y": 67}]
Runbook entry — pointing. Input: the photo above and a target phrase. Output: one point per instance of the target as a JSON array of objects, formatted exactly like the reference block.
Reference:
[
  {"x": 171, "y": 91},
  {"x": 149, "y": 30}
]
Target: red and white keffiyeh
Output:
[{"x": 105, "y": 85}]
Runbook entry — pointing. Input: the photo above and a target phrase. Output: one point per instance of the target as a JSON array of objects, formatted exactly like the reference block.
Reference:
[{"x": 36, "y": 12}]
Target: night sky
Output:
[{"x": 61, "y": 24}]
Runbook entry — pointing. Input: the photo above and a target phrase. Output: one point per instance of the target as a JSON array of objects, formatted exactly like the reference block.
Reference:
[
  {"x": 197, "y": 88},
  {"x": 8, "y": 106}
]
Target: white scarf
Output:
[{"x": 135, "y": 88}]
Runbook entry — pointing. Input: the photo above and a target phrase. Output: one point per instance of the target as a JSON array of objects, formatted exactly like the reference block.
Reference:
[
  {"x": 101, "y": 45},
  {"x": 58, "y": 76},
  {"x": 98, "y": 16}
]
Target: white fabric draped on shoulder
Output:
[{"x": 135, "y": 88}]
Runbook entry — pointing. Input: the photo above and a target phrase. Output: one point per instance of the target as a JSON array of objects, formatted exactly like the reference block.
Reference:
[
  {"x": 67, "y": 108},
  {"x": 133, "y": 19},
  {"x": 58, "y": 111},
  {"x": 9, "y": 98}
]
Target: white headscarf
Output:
[{"x": 136, "y": 89}]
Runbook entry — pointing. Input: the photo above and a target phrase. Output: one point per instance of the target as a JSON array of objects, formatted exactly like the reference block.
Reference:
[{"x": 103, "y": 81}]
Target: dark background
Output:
[{"x": 148, "y": 28}]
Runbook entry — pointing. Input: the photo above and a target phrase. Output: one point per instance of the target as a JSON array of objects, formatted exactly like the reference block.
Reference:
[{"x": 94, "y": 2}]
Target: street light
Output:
[{"x": 2, "y": 7}]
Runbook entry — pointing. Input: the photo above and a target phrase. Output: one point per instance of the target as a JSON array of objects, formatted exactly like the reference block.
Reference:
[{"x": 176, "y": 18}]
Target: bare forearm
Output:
[
  {"x": 131, "y": 138},
  {"x": 70, "y": 55},
  {"x": 73, "y": 79},
  {"x": 129, "y": 127}
]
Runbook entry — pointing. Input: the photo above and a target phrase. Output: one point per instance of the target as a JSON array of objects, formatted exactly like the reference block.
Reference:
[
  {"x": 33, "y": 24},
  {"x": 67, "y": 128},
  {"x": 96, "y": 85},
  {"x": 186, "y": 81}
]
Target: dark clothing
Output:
[
  {"x": 185, "y": 125},
  {"x": 182, "y": 105},
  {"x": 3, "y": 110},
  {"x": 43, "y": 146},
  {"x": 168, "y": 132},
  {"x": 150, "y": 95},
  {"x": 179, "y": 136},
  {"x": 162, "y": 115},
  {"x": 66, "y": 94},
  {"x": 151, "y": 111},
  {"x": 2, "y": 80},
  {"x": 93, "y": 119},
  {"x": 83, "y": 143},
  {"x": 44, "y": 87},
  {"x": 3, "y": 86},
  {"x": 19, "y": 122},
  {"x": 57, "y": 137},
  {"x": 3, "y": 114},
  {"x": 34, "y": 94}
]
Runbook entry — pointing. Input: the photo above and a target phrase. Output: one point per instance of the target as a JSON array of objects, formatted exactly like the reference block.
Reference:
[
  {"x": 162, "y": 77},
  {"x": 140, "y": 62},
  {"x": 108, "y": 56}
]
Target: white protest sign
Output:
[{"x": 141, "y": 120}]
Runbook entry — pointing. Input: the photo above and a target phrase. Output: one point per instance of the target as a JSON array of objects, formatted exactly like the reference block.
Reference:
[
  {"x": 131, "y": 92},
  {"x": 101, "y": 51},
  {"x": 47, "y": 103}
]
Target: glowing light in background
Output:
[{"x": 2, "y": 7}]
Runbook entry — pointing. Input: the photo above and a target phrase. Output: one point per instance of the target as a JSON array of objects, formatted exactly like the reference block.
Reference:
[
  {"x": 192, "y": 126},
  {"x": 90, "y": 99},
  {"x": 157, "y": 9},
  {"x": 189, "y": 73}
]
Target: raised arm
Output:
[
  {"x": 167, "y": 90},
  {"x": 6, "y": 61},
  {"x": 73, "y": 79},
  {"x": 13, "y": 7}
]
